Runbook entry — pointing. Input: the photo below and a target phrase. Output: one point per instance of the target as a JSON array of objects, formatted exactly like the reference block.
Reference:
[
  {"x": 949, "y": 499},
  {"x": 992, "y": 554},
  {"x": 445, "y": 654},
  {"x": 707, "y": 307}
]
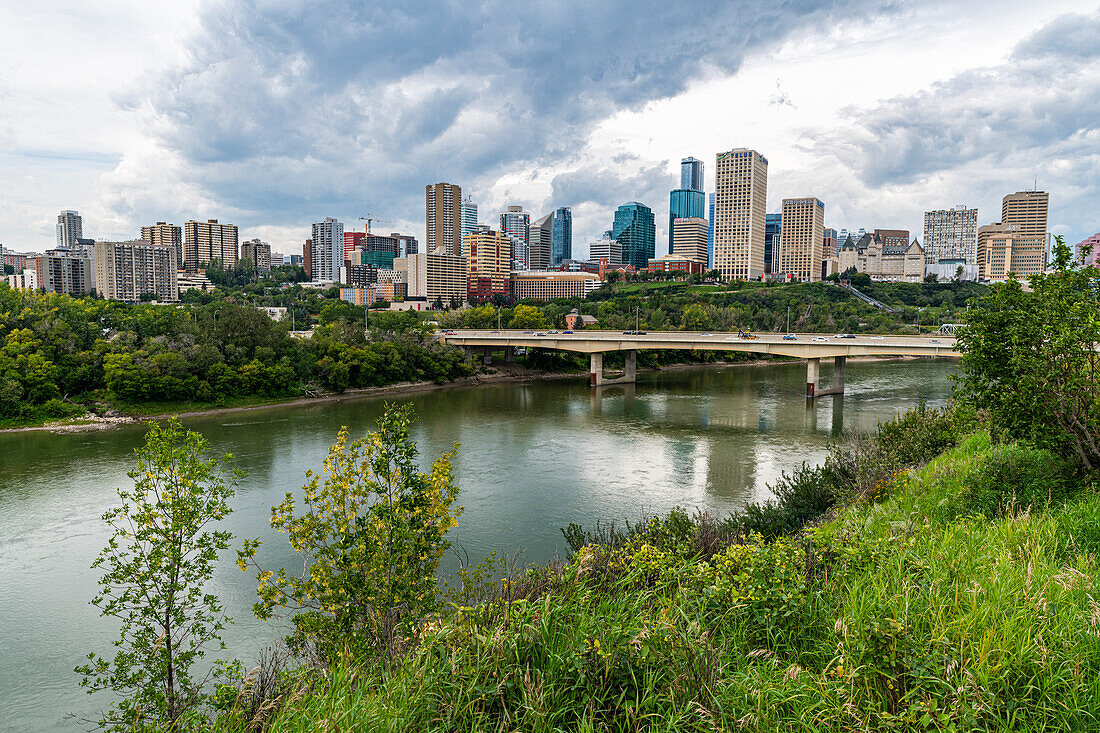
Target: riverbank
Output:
[
  {"x": 500, "y": 374},
  {"x": 929, "y": 602}
]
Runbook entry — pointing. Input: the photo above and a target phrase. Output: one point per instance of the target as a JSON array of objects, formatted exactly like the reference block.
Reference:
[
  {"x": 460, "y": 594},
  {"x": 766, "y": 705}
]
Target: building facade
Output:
[
  {"x": 951, "y": 236},
  {"x": 258, "y": 253},
  {"x": 70, "y": 228},
  {"x": 128, "y": 270},
  {"x": 515, "y": 223},
  {"x": 676, "y": 263},
  {"x": 1027, "y": 211},
  {"x": 636, "y": 233},
  {"x": 540, "y": 245},
  {"x": 542, "y": 285},
  {"x": 165, "y": 235},
  {"x": 563, "y": 235},
  {"x": 328, "y": 250},
  {"x": 434, "y": 276},
  {"x": 894, "y": 264},
  {"x": 691, "y": 239},
  {"x": 1087, "y": 249},
  {"x": 684, "y": 203},
  {"x": 206, "y": 241},
  {"x": 740, "y": 199},
  {"x": 489, "y": 266},
  {"x": 469, "y": 219},
  {"x": 443, "y": 205},
  {"x": 606, "y": 249},
  {"x": 801, "y": 234},
  {"x": 691, "y": 174},
  {"x": 406, "y": 244},
  {"x": 1004, "y": 250},
  {"x": 58, "y": 271},
  {"x": 893, "y": 238}
]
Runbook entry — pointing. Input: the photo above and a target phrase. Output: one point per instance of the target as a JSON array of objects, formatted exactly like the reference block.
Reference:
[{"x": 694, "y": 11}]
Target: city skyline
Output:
[{"x": 877, "y": 150}]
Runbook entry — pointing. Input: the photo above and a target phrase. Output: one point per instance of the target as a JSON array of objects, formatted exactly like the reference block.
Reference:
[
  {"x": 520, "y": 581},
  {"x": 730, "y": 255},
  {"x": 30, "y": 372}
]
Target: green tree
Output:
[
  {"x": 371, "y": 535},
  {"x": 157, "y": 565},
  {"x": 527, "y": 316},
  {"x": 1030, "y": 359}
]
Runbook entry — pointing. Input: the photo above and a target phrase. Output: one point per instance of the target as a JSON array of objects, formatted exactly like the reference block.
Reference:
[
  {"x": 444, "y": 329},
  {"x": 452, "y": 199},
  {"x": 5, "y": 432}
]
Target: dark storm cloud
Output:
[{"x": 333, "y": 102}]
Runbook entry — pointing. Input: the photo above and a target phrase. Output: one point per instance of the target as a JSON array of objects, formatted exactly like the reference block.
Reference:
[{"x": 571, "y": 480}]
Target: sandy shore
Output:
[{"x": 504, "y": 373}]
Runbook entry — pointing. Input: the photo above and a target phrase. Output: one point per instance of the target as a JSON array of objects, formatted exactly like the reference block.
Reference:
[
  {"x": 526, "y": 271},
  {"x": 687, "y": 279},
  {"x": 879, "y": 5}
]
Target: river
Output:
[{"x": 532, "y": 458}]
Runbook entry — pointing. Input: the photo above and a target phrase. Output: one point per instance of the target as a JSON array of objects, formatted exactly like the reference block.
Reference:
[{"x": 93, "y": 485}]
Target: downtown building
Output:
[
  {"x": 515, "y": 223},
  {"x": 70, "y": 229},
  {"x": 772, "y": 225},
  {"x": 606, "y": 249},
  {"x": 489, "y": 266},
  {"x": 469, "y": 218},
  {"x": 740, "y": 199},
  {"x": 951, "y": 236},
  {"x": 443, "y": 218},
  {"x": 636, "y": 233},
  {"x": 326, "y": 250},
  {"x": 206, "y": 241},
  {"x": 543, "y": 285},
  {"x": 127, "y": 271},
  {"x": 434, "y": 277},
  {"x": 690, "y": 240},
  {"x": 1004, "y": 250},
  {"x": 802, "y": 234},
  {"x": 688, "y": 201},
  {"x": 165, "y": 235},
  {"x": 540, "y": 244}
]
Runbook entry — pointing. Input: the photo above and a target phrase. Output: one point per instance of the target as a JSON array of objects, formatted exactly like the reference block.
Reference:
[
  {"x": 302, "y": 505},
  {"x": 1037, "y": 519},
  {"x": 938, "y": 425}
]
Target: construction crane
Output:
[{"x": 368, "y": 218}]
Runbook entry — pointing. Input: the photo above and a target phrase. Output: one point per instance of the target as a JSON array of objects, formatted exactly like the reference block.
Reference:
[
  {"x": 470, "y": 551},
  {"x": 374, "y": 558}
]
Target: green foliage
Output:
[
  {"x": 1030, "y": 359},
  {"x": 1015, "y": 477},
  {"x": 157, "y": 567},
  {"x": 527, "y": 316},
  {"x": 371, "y": 535}
]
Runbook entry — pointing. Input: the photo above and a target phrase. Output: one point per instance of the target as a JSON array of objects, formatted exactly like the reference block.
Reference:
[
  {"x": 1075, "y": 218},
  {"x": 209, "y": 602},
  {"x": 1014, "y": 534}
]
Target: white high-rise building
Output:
[
  {"x": 540, "y": 245},
  {"x": 951, "y": 236},
  {"x": 328, "y": 250},
  {"x": 606, "y": 248},
  {"x": 70, "y": 227},
  {"x": 515, "y": 223},
  {"x": 740, "y": 200}
]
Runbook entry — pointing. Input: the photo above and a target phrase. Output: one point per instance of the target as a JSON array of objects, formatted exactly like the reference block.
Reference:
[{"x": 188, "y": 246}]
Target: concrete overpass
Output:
[{"x": 813, "y": 347}]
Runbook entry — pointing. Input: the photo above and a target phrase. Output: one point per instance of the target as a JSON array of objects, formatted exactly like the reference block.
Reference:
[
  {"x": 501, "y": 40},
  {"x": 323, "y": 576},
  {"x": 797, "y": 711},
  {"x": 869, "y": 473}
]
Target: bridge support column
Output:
[
  {"x": 813, "y": 371},
  {"x": 630, "y": 371},
  {"x": 595, "y": 369},
  {"x": 510, "y": 354},
  {"x": 839, "y": 366},
  {"x": 468, "y": 352},
  {"x": 487, "y": 355}
]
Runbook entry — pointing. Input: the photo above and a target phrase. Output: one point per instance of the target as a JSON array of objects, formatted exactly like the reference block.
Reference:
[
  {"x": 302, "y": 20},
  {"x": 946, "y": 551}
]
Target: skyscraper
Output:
[
  {"x": 128, "y": 270},
  {"x": 691, "y": 174},
  {"x": 1027, "y": 211},
  {"x": 710, "y": 235},
  {"x": 490, "y": 265},
  {"x": 515, "y": 223},
  {"x": 951, "y": 236},
  {"x": 563, "y": 235},
  {"x": 634, "y": 229},
  {"x": 407, "y": 244},
  {"x": 70, "y": 227},
  {"x": 206, "y": 241},
  {"x": 801, "y": 234},
  {"x": 328, "y": 250},
  {"x": 540, "y": 243},
  {"x": 741, "y": 192},
  {"x": 772, "y": 223},
  {"x": 443, "y": 219},
  {"x": 469, "y": 218},
  {"x": 606, "y": 249}
]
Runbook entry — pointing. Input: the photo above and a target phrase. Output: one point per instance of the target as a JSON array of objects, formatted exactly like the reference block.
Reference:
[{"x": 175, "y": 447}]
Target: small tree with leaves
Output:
[
  {"x": 371, "y": 534},
  {"x": 157, "y": 566}
]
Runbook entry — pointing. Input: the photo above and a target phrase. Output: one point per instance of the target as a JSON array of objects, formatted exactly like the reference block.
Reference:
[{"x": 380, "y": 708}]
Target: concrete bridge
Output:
[{"x": 813, "y": 347}]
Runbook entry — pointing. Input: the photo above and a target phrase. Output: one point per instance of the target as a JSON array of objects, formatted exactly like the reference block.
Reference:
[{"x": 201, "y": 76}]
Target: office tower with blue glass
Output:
[
  {"x": 635, "y": 231},
  {"x": 688, "y": 201},
  {"x": 563, "y": 235},
  {"x": 772, "y": 224}
]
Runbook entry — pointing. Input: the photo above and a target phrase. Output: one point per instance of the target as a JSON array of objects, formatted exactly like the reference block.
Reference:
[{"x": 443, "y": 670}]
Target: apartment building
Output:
[
  {"x": 443, "y": 218},
  {"x": 490, "y": 265},
  {"x": 1003, "y": 250},
  {"x": 434, "y": 276},
  {"x": 128, "y": 270},
  {"x": 258, "y": 253},
  {"x": 167, "y": 235},
  {"x": 547, "y": 285},
  {"x": 951, "y": 235},
  {"x": 59, "y": 271},
  {"x": 206, "y": 241}
]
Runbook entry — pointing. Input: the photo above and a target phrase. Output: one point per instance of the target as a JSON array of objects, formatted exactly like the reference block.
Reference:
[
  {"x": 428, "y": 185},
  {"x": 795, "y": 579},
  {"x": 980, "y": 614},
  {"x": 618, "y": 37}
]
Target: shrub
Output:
[
  {"x": 799, "y": 497},
  {"x": 1016, "y": 476}
]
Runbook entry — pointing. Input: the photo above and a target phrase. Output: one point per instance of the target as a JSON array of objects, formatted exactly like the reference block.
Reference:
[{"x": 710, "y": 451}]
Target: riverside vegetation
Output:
[
  {"x": 938, "y": 574},
  {"x": 61, "y": 357}
]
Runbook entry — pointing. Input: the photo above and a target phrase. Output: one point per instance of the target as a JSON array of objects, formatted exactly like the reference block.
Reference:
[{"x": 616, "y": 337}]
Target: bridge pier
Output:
[
  {"x": 509, "y": 354},
  {"x": 813, "y": 373},
  {"x": 596, "y": 377}
]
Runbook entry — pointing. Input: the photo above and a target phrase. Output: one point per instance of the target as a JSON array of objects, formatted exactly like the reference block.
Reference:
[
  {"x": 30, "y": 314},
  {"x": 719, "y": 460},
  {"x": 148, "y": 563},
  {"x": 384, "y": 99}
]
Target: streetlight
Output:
[
  {"x": 637, "y": 311},
  {"x": 788, "y": 319}
]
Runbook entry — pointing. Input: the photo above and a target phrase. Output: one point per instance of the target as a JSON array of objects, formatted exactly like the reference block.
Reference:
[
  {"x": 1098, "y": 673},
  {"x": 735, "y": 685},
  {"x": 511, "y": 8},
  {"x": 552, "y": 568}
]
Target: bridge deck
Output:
[{"x": 804, "y": 345}]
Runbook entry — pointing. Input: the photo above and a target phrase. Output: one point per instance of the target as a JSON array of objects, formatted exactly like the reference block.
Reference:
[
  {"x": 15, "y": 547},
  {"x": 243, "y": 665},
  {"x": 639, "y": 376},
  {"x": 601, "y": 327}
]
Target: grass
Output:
[{"x": 922, "y": 606}]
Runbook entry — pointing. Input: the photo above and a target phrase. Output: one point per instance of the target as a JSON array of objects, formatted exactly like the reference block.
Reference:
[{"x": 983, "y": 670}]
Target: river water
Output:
[{"x": 533, "y": 458}]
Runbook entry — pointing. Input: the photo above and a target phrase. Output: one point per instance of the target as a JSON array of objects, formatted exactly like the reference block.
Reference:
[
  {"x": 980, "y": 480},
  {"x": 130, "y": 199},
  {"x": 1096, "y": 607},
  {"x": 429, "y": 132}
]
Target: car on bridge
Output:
[{"x": 790, "y": 337}]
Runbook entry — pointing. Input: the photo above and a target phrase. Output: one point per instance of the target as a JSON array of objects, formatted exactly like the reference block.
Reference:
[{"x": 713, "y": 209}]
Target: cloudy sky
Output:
[{"x": 272, "y": 114}]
